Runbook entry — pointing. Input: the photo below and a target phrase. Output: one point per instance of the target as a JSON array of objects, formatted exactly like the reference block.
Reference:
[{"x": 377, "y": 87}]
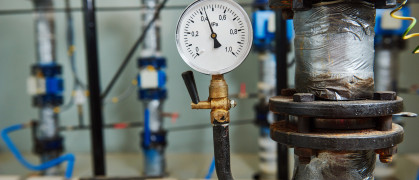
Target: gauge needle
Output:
[{"x": 213, "y": 35}]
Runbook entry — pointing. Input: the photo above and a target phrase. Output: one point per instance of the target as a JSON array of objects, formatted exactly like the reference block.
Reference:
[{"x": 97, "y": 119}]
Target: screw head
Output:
[
  {"x": 386, "y": 158},
  {"x": 304, "y": 154},
  {"x": 233, "y": 103}
]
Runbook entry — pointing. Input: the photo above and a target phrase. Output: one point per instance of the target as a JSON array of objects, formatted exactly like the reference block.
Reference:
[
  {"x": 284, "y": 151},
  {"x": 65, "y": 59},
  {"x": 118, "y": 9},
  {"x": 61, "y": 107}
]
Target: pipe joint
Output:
[{"x": 217, "y": 101}]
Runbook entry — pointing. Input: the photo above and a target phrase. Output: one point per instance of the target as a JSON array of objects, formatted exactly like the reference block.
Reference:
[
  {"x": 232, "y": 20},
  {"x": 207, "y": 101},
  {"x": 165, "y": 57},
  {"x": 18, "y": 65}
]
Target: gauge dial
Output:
[{"x": 214, "y": 36}]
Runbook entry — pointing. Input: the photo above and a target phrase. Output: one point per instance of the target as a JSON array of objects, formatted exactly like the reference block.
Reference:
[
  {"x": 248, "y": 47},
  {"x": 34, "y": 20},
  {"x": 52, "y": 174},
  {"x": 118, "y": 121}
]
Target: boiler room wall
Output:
[{"x": 117, "y": 32}]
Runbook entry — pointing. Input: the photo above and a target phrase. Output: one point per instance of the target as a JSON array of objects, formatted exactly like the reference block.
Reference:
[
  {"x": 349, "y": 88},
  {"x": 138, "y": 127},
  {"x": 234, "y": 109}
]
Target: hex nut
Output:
[
  {"x": 303, "y": 97},
  {"x": 386, "y": 155},
  {"x": 385, "y": 95}
]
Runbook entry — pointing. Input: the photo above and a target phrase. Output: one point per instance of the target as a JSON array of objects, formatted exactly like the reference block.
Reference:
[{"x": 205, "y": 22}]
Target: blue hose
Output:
[
  {"x": 211, "y": 169},
  {"x": 68, "y": 157},
  {"x": 417, "y": 175}
]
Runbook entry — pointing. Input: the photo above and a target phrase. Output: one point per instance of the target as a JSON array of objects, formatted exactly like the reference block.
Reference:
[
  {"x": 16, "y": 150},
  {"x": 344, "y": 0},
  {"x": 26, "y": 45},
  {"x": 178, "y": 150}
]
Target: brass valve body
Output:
[{"x": 217, "y": 101}]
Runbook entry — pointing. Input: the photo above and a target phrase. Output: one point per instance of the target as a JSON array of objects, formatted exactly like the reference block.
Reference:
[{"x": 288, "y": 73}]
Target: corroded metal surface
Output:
[
  {"x": 335, "y": 109},
  {"x": 345, "y": 124},
  {"x": 368, "y": 139},
  {"x": 307, "y": 4},
  {"x": 280, "y": 4}
]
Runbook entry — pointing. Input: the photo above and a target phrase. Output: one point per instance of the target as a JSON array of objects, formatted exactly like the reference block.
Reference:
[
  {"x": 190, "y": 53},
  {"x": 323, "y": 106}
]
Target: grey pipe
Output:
[
  {"x": 221, "y": 136},
  {"x": 48, "y": 124},
  {"x": 334, "y": 50},
  {"x": 45, "y": 52},
  {"x": 45, "y": 31},
  {"x": 151, "y": 47},
  {"x": 386, "y": 69},
  {"x": 154, "y": 165}
]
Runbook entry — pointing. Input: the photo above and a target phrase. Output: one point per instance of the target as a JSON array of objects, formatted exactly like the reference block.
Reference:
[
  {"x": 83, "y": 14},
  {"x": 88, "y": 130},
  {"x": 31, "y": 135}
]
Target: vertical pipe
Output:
[
  {"x": 264, "y": 42},
  {"x": 48, "y": 129},
  {"x": 386, "y": 69},
  {"x": 151, "y": 47},
  {"x": 221, "y": 138},
  {"x": 154, "y": 160},
  {"x": 45, "y": 52},
  {"x": 281, "y": 83},
  {"x": 337, "y": 165},
  {"x": 96, "y": 119},
  {"x": 334, "y": 56},
  {"x": 45, "y": 30}
]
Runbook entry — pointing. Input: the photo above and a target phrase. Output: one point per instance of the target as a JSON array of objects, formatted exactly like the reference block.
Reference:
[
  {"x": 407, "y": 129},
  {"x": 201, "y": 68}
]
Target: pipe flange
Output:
[
  {"x": 368, "y": 139},
  {"x": 301, "y": 5},
  {"x": 336, "y": 109}
]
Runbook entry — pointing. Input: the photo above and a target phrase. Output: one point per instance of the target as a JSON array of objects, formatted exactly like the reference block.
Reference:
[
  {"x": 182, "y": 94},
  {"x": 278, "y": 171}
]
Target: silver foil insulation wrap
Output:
[
  {"x": 334, "y": 50},
  {"x": 329, "y": 165},
  {"x": 45, "y": 31}
]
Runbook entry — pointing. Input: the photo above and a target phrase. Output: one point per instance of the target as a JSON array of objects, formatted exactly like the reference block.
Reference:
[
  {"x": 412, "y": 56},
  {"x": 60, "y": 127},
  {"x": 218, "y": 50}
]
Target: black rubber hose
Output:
[{"x": 222, "y": 151}]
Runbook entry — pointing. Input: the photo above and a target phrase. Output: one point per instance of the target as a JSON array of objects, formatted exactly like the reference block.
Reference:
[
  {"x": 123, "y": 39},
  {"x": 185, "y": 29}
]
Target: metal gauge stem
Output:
[{"x": 214, "y": 36}]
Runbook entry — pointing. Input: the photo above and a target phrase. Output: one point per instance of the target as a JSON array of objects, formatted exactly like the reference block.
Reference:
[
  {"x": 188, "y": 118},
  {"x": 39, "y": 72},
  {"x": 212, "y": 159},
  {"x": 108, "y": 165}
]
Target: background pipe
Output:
[
  {"x": 92, "y": 59},
  {"x": 281, "y": 83},
  {"x": 47, "y": 127},
  {"x": 152, "y": 91},
  {"x": 45, "y": 31}
]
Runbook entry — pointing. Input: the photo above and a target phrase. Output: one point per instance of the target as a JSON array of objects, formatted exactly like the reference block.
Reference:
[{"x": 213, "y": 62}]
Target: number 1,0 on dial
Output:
[{"x": 215, "y": 34}]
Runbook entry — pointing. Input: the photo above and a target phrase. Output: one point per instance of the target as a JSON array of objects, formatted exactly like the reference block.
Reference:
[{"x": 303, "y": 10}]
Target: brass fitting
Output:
[{"x": 217, "y": 101}]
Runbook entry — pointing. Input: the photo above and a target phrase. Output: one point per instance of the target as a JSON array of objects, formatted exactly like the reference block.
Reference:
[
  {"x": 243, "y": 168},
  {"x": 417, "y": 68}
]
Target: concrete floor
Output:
[{"x": 180, "y": 166}]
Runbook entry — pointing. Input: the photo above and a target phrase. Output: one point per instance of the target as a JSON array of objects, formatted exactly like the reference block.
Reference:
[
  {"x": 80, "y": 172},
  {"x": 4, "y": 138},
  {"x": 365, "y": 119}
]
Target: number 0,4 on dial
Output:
[{"x": 214, "y": 36}]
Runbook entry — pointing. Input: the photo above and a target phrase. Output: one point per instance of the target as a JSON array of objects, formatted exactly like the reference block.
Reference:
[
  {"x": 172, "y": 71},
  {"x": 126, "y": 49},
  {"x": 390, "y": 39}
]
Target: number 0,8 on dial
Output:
[{"x": 214, "y": 36}]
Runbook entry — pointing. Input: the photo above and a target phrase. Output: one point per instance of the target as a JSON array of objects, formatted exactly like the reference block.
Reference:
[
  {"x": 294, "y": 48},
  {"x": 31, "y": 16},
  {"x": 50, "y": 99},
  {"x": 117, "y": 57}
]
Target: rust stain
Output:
[{"x": 284, "y": 127}]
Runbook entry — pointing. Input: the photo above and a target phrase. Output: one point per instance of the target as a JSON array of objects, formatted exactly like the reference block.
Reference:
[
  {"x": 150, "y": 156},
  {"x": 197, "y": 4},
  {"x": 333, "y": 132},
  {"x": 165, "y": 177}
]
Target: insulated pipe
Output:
[
  {"x": 45, "y": 52},
  {"x": 334, "y": 50},
  {"x": 154, "y": 107},
  {"x": 151, "y": 47},
  {"x": 386, "y": 69},
  {"x": 154, "y": 160},
  {"x": 222, "y": 151},
  {"x": 96, "y": 119},
  {"x": 334, "y": 46},
  {"x": 336, "y": 165},
  {"x": 48, "y": 129},
  {"x": 45, "y": 31}
]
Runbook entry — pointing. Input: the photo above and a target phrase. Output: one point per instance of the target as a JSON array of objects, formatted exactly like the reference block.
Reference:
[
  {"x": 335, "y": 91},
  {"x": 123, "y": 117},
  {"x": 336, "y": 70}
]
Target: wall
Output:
[{"x": 117, "y": 32}]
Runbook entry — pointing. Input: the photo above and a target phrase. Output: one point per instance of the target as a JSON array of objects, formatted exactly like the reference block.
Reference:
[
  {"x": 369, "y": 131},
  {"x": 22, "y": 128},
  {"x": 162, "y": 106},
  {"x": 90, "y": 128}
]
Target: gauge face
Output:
[{"x": 214, "y": 36}]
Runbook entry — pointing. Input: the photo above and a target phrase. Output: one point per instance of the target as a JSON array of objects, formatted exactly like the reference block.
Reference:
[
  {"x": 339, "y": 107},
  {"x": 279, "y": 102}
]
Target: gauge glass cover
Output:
[{"x": 214, "y": 36}]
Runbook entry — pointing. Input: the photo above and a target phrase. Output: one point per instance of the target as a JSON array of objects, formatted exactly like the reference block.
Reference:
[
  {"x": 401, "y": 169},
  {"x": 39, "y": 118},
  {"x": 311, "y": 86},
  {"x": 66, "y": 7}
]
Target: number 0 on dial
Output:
[{"x": 214, "y": 36}]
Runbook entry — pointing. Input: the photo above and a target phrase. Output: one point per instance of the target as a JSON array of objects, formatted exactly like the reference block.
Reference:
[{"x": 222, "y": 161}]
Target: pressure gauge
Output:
[{"x": 214, "y": 36}]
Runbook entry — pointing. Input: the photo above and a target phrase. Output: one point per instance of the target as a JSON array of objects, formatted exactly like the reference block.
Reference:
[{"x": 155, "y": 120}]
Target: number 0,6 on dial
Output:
[{"x": 214, "y": 36}]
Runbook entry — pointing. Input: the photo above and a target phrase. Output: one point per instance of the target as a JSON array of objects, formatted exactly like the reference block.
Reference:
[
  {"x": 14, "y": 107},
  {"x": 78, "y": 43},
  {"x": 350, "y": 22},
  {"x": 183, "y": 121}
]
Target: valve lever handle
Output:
[{"x": 189, "y": 80}]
